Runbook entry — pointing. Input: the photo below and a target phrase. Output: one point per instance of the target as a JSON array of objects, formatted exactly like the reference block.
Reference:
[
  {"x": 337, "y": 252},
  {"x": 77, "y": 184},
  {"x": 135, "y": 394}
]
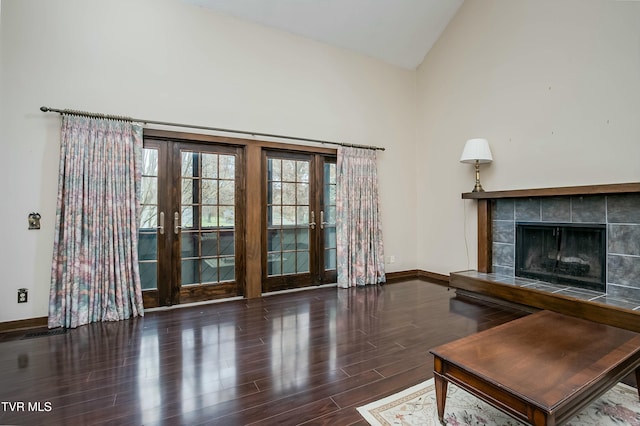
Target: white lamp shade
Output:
[{"x": 476, "y": 150}]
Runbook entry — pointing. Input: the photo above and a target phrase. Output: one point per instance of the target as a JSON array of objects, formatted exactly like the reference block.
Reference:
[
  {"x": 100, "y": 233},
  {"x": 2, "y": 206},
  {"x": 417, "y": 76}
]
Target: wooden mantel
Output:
[
  {"x": 615, "y": 188},
  {"x": 485, "y": 238}
]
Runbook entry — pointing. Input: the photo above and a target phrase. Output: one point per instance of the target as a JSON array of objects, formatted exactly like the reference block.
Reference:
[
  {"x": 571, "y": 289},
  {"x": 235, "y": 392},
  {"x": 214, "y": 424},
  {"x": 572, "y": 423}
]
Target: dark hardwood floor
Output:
[{"x": 308, "y": 357}]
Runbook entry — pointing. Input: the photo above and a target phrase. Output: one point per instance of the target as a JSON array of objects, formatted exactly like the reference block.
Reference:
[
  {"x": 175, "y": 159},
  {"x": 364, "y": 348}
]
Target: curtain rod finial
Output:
[{"x": 44, "y": 109}]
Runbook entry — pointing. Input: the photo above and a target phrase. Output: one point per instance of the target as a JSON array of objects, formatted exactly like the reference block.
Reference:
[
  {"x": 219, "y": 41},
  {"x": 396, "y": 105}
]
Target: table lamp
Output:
[{"x": 476, "y": 151}]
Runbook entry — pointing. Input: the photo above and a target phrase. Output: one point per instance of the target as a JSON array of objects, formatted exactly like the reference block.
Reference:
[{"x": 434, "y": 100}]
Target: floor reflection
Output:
[
  {"x": 149, "y": 389},
  {"x": 290, "y": 349},
  {"x": 175, "y": 379},
  {"x": 360, "y": 309},
  {"x": 205, "y": 366},
  {"x": 331, "y": 315}
]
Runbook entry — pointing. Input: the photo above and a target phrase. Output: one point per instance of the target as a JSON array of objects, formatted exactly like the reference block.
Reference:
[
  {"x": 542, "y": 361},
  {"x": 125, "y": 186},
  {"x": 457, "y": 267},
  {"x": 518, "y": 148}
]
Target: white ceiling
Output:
[{"x": 399, "y": 32}]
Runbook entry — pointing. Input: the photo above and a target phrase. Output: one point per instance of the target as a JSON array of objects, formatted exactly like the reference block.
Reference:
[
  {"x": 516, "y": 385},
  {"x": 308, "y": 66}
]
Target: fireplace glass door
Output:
[{"x": 572, "y": 254}]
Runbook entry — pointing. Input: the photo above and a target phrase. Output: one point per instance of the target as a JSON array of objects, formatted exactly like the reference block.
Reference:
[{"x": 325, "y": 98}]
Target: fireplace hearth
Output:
[{"x": 567, "y": 253}]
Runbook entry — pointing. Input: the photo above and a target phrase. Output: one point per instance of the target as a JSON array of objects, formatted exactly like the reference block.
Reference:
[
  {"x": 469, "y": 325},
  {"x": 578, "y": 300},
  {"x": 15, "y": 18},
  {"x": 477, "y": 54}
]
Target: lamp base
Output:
[{"x": 478, "y": 188}]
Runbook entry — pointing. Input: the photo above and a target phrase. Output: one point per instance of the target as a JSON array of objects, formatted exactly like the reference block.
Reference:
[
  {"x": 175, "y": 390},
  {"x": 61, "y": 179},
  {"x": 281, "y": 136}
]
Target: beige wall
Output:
[
  {"x": 555, "y": 88},
  {"x": 165, "y": 60}
]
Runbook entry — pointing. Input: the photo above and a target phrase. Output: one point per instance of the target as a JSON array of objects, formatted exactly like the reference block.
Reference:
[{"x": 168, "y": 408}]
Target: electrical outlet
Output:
[
  {"x": 22, "y": 295},
  {"x": 391, "y": 259}
]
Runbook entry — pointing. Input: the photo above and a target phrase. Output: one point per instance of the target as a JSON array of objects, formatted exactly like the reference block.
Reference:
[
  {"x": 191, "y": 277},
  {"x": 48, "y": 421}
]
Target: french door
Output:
[
  {"x": 299, "y": 228},
  {"x": 191, "y": 245},
  {"x": 200, "y": 229}
]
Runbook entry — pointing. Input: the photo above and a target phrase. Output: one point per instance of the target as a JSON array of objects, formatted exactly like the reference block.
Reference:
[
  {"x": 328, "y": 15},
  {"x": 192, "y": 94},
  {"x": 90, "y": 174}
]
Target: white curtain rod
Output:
[{"x": 193, "y": 126}]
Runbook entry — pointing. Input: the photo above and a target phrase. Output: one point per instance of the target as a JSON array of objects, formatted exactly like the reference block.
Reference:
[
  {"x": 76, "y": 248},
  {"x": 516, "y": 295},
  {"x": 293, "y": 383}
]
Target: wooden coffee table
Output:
[{"x": 541, "y": 369}]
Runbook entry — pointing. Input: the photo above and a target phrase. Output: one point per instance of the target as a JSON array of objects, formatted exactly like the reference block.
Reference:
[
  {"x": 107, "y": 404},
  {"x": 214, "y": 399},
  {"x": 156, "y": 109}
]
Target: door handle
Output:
[
  {"x": 160, "y": 227},
  {"x": 322, "y": 222},
  {"x": 176, "y": 223},
  {"x": 312, "y": 224}
]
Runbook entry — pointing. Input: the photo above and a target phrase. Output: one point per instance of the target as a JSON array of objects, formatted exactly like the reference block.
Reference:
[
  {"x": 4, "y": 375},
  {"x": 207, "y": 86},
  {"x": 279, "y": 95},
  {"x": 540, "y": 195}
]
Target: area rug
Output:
[{"x": 417, "y": 406}]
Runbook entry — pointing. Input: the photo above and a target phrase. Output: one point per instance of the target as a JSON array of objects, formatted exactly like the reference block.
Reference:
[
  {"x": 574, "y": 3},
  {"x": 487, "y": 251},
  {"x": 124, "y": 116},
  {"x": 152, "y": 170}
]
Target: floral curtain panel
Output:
[
  {"x": 359, "y": 234},
  {"x": 94, "y": 274}
]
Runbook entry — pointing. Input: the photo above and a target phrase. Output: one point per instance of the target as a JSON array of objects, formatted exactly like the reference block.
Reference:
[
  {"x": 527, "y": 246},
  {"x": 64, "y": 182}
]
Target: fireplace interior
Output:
[{"x": 573, "y": 254}]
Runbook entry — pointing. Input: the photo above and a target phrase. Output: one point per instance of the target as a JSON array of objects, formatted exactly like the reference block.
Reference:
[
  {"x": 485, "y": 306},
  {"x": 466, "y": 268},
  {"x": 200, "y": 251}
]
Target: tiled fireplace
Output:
[{"x": 617, "y": 216}]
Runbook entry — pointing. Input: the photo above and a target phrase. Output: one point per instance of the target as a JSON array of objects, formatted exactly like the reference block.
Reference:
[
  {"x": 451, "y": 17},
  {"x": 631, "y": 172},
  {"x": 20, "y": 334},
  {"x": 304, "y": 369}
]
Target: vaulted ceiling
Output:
[{"x": 399, "y": 32}]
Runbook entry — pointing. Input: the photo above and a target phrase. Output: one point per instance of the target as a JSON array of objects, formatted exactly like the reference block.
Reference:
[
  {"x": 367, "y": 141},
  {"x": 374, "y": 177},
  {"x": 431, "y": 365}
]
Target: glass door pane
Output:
[
  {"x": 329, "y": 216},
  {"x": 288, "y": 216},
  {"x": 148, "y": 222},
  {"x": 207, "y": 218}
]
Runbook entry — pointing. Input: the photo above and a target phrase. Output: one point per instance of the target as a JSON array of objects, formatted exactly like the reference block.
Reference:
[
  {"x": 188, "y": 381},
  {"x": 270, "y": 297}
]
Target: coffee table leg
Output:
[
  {"x": 441, "y": 395},
  {"x": 638, "y": 381}
]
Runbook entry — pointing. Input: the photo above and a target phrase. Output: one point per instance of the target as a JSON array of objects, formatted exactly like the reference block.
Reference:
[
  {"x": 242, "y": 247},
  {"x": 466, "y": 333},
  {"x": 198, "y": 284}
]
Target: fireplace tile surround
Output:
[{"x": 620, "y": 213}]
